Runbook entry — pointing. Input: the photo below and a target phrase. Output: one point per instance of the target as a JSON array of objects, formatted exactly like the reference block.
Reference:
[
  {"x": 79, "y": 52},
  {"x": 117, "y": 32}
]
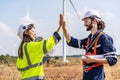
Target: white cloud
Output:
[
  {"x": 5, "y": 30},
  {"x": 2, "y": 50},
  {"x": 72, "y": 19},
  {"x": 108, "y": 15},
  {"x": 26, "y": 19}
]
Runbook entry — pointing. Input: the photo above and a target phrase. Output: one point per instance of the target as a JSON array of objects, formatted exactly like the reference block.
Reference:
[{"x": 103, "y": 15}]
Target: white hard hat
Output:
[
  {"x": 92, "y": 14},
  {"x": 21, "y": 30}
]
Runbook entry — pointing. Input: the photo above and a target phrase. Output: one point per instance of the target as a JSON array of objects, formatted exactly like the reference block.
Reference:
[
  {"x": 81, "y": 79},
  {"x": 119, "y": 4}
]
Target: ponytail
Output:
[{"x": 101, "y": 25}]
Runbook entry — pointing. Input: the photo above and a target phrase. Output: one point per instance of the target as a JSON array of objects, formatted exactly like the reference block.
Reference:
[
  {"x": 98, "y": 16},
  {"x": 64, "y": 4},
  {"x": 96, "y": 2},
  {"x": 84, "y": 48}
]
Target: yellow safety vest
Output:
[{"x": 30, "y": 66}]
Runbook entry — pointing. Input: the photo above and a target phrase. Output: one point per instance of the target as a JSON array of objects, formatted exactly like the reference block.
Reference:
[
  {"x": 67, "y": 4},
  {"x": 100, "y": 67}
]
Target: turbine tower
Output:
[
  {"x": 28, "y": 13},
  {"x": 64, "y": 41}
]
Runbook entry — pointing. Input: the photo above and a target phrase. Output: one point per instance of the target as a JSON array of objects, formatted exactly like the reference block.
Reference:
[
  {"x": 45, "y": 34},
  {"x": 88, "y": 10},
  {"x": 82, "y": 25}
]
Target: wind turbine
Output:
[
  {"x": 28, "y": 19},
  {"x": 28, "y": 16},
  {"x": 64, "y": 41}
]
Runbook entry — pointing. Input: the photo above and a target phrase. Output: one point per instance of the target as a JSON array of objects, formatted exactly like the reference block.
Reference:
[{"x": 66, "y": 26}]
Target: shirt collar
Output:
[{"x": 95, "y": 33}]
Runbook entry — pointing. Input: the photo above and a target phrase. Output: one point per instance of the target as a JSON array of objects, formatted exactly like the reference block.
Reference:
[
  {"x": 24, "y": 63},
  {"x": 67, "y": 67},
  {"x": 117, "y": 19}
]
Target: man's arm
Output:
[
  {"x": 66, "y": 34},
  {"x": 90, "y": 59},
  {"x": 71, "y": 41},
  {"x": 63, "y": 24}
]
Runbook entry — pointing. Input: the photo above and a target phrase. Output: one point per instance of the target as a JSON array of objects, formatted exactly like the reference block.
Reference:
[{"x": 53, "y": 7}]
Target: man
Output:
[{"x": 98, "y": 45}]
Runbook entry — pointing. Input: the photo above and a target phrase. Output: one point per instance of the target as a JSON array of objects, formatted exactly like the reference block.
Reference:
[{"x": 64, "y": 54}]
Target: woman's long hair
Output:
[{"x": 26, "y": 38}]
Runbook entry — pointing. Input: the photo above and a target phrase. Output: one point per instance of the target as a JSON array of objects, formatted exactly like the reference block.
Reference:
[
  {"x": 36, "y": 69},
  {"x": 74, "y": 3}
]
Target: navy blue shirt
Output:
[{"x": 104, "y": 47}]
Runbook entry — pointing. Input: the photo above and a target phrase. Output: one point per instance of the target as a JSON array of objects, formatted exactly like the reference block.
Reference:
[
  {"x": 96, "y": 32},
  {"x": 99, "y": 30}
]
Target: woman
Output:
[{"x": 31, "y": 53}]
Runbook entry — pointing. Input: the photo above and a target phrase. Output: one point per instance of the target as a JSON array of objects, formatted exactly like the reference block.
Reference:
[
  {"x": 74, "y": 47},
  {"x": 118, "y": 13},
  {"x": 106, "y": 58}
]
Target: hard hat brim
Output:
[{"x": 84, "y": 18}]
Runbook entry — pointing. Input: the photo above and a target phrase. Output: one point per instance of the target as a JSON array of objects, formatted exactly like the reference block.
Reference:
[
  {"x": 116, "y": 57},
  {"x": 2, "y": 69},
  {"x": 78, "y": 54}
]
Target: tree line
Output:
[{"x": 7, "y": 60}]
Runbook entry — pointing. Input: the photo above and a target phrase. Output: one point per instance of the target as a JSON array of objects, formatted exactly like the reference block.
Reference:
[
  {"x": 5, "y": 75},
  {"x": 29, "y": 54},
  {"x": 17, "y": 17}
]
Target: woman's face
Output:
[{"x": 32, "y": 33}]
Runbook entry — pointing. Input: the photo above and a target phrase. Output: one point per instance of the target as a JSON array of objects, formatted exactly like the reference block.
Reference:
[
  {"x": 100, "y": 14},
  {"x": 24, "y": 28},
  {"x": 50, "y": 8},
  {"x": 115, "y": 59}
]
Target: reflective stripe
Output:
[
  {"x": 110, "y": 53},
  {"x": 111, "y": 56},
  {"x": 89, "y": 46},
  {"x": 95, "y": 40},
  {"x": 27, "y": 55},
  {"x": 93, "y": 56},
  {"x": 30, "y": 65},
  {"x": 97, "y": 46},
  {"x": 44, "y": 47},
  {"x": 35, "y": 78}
]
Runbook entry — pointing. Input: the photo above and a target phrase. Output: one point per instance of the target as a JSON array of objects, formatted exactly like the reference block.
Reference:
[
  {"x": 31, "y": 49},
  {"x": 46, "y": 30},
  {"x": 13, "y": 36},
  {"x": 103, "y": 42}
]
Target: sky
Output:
[{"x": 45, "y": 15}]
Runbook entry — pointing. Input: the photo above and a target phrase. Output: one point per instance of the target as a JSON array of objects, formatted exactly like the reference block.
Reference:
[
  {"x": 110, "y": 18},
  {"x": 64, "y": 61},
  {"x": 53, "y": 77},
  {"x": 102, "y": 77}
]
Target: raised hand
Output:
[{"x": 62, "y": 20}]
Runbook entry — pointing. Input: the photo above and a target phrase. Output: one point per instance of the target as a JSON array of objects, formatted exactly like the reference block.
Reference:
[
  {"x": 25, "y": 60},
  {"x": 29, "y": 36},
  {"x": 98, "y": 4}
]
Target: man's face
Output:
[{"x": 87, "y": 23}]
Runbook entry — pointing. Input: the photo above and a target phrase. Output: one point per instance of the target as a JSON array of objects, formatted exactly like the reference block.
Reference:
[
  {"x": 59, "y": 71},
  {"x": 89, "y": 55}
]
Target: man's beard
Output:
[{"x": 89, "y": 27}]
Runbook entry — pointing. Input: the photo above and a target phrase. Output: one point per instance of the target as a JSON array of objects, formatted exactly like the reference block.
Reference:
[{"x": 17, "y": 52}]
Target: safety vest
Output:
[
  {"x": 30, "y": 66},
  {"x": 86, "y": 69}
]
